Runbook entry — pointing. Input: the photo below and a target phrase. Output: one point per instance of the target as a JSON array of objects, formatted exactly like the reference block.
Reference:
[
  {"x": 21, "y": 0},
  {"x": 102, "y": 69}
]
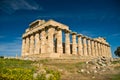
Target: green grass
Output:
[
  {"x": 115, "y": 62},
  {"x": 116, "y": 77},
  {"x": 15, "y": 69}
]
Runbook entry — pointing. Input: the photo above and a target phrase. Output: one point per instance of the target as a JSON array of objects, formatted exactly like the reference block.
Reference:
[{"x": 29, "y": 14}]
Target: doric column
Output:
[
  {"x": 59, "y": 41},
  {"x": 67, "y": 42},
  {"x": 107, "y": 54},
  {"x": 31, "y": 44},
  {"x": 80, "y": 46},
  {"x": 89, "y": 46},
  {"x": 27, "y": 46},
  {"x": 51, "y": 31},
  {"x": 99, "y": 53},
  {"x": 105, "y": 50},
  {"x": 109, "y": 50},
  {"x": 43, "y": 41},
  {"x": 92, "y": 47},
  {"x": 84, "y": 46},
  {"x": 37, "y": 43},
  {"x": 74, "y": 44},
  {"x": 102, "y": 48},
  {"x": 23, "y": 47},
  {"x": 96, "y": 48}
]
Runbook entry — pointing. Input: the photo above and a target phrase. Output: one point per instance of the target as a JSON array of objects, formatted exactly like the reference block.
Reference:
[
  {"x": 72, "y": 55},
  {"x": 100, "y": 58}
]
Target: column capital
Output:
[
  {"x": 79, "y": 35},
  {"x": 67, "y": 31},
  {"x": 74, "y": 33},
  {"x": 84, "y": 37},
  {"x": 58, "y": 29},
  {"x": 88, "y": 38},
  {"x": 92, "y": 40},
  {"x": 42, "y": 29},
  {"x": 37, "y": 31},
  {"x": 32, "y": 37},
  {"x": 96, "y": 40}
]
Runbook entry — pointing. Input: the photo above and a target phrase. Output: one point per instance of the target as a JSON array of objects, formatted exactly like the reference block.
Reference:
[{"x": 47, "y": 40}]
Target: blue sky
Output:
[{"x": 90, "y": 17}]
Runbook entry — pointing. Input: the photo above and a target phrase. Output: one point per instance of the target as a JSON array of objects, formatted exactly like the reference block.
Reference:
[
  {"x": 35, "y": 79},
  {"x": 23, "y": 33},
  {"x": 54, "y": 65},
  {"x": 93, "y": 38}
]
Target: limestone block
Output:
[
  {"x": 80, "y": 46},
  {"x": 74, "y": 44},
  {"x": 67, "y": 42},
  {"x": 84, "y": 46},
  {"x": 43, "y": 41},
  {"x": 59, "y": 41}
]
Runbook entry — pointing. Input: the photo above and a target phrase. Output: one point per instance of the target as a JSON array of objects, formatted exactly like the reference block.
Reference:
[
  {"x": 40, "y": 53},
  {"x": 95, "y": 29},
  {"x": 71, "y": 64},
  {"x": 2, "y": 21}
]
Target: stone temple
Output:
[{"x": 44, "y": 39}]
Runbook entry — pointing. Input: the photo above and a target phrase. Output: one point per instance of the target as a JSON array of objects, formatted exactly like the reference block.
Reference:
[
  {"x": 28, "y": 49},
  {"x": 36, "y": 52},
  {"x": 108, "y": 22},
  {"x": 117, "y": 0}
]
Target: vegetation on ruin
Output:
[{"x": 117, "y": 51}]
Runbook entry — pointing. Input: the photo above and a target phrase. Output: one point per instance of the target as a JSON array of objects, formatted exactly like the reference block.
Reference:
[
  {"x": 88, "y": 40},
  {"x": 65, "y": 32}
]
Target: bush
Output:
[
  {"x": 16, "y": 74},
  {"x": 1, "y": 56},
  {"x": 15, "y": 69},
  {"x": 116, "y": 77},
  {"x": 56, "y": 74}
]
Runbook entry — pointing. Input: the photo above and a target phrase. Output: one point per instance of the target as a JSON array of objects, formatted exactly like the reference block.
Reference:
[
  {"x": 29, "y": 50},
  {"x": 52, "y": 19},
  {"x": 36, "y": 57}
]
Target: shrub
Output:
[
  {"x": 1, "y": 56},
  {"x": 16, "y": 74},
  {"x": 55, "y": 73},
  {"x": 15, "y": 69}
]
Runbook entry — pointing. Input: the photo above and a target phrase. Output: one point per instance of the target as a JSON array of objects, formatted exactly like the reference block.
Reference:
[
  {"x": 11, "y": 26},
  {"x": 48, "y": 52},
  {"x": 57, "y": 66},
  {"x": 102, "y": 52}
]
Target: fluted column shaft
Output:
[
  {"x": 67, "y": 42},
  {"x": 80, "y": 46},
  {"x": 99, "y": 49},
  {"x": 43, "y": 41},
  {"x": 37, "y": 43},
  {"x": 50, "y": 43},
  {"x": 89, "y": 46},
  {"x": 59, "y": 41},
  {"x": 23, "y": 46},
  {"x": 84, "y": 46},
  {"x": 74, "y": 44},
  {"x": 96, "y": 49},
  {"x": 27, "y": 46},
  {"x": 103, "y": 46},
  {"x": 31, "y": 44},
  {"x": 92, "y": 49},
  {"x": 109, "y": 49},
  {"x": 106, "y": 50}
]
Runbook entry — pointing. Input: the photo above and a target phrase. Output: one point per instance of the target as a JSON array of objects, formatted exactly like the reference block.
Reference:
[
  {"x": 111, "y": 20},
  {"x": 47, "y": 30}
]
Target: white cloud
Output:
[
  {"x": 2, "y": 36},
  {"x": 19, "y": 38},
  {"x": 116, "y": 35},
  {"x": 9, "y": 6},
  {"x": 10, "y": 48},
  {"x": 88, "y": 33}
]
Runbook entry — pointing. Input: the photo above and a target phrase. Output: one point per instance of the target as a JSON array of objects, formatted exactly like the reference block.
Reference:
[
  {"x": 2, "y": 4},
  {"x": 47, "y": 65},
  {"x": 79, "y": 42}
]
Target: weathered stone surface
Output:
[
  {"x": 67, "y": 42},
  {"x": 74, "y": 44},
  {"x": 80, "y": 46},
  {"x": 44, "y": 39},
  {"x": 84, "y": 46},
  {"x": 97, "y": 65}
]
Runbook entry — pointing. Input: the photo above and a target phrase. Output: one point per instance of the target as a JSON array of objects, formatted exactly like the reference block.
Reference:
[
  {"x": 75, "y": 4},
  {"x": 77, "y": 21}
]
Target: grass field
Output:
[
  {"x": 49, "y": 69},
  {"x": 15, "y": 69}
]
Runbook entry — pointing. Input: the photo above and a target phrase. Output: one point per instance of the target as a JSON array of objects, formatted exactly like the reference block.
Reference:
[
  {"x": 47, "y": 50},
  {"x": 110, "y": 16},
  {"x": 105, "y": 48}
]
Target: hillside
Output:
[{"x": 55, "y": 69}]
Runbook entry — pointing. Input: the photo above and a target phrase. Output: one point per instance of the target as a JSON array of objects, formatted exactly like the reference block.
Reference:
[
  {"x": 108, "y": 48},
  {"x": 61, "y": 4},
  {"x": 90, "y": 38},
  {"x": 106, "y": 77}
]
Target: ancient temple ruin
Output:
[{"x": 45, "y": 39}]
